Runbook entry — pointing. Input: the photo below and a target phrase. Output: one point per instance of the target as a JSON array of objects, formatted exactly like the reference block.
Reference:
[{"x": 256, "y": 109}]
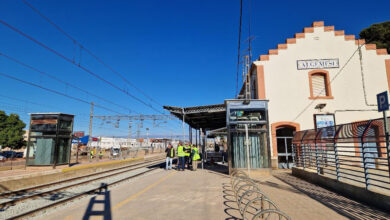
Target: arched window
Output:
[{"x": 319, "y": 85}]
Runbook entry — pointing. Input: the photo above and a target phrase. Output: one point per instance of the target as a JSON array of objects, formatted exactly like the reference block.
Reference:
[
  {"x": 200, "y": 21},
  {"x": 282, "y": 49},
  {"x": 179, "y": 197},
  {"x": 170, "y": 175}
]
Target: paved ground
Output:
[
  {"x": 303, "y": 200},
  {"x": 207, "y": 194},
  {"x": 162, "y": 195}
]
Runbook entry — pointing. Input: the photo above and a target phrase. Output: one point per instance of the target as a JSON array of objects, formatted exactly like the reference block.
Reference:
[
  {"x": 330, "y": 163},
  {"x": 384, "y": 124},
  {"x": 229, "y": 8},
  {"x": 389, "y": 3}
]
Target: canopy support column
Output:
[{"x": 203, "y": 147}]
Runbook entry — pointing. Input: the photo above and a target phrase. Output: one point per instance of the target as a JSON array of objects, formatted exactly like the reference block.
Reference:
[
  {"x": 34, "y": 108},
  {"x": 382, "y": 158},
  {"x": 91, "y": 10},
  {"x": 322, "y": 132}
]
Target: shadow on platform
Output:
[
  {"x": 105, "y": 213},
  {"x": 230, "y": 204},
  {"x": 340, "y": 204},
  {"x": 221, "y": 169}
]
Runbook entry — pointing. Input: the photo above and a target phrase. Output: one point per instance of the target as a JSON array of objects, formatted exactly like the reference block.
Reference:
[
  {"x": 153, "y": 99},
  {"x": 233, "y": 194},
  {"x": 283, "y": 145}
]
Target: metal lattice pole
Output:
[{"x": 90, "y": 130}]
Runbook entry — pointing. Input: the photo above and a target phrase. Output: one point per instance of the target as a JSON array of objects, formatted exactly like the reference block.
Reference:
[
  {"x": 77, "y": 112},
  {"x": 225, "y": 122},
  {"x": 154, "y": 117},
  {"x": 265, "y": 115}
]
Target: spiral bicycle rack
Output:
[{"x": 249, "y": 196}]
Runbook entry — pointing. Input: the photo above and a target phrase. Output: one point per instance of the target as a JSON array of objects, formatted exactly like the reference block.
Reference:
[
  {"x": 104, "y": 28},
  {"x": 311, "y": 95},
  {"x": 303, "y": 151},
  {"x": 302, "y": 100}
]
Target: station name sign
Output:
[{"x": 317, "y": 64}]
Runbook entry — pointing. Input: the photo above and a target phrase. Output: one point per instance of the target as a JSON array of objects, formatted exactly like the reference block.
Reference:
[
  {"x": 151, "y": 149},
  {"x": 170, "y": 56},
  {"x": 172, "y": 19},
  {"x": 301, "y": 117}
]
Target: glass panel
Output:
[
  {"x": 41, "y": 151},
  {"x": 258, "y": 153},
  {"x": 247, "y": 115},
  {"x": 282, "y": 159},
  {"x": 43, "y": 127},
  {"x": 285, "y": 132},
  {"x": 65, "y": 125},
  {"x": 281, "y": 145},
  {"x": 238, "y": 150},
  {"x": 63, "y": 151},
  {"x": 282, "y": 162}
]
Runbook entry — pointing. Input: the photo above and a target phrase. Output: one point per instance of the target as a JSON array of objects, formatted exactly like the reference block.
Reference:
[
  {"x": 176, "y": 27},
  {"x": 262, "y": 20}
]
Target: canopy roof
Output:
[
  {"x": 217, "y": 132},
  {"x": 206, "y": 117}
]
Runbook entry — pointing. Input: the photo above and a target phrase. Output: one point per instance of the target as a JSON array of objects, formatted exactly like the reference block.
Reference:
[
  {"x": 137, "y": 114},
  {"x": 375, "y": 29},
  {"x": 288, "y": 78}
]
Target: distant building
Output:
[
  {"x": 25, "y": 135},
  {"x": 108, "y": 142},
  {"x": 318, "y": 78}
]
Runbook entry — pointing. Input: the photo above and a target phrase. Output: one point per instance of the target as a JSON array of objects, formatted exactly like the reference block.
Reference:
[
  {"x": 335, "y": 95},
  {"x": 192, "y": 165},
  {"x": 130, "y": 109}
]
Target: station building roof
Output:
[{"x": 206, "y": 117}]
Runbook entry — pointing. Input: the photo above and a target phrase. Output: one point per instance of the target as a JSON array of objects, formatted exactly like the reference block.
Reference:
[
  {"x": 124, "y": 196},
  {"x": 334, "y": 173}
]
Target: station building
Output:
[{"x": 320, "y": 77}]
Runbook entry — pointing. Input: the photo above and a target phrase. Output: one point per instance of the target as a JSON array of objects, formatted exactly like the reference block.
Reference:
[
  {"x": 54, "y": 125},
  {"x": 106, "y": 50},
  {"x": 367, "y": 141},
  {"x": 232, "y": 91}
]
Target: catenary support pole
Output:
[
  {"x": 203, "y": 147},
  {"x": 196, "y": 137},
  {"x": 183, "y": 125},
  {"x": 190, "y": 134},
  {"x": 90, "y": 130}
]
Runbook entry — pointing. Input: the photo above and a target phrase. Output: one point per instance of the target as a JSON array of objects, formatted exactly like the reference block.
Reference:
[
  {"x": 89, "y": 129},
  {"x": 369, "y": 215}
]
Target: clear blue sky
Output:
[{"x": 181, "y": 53}]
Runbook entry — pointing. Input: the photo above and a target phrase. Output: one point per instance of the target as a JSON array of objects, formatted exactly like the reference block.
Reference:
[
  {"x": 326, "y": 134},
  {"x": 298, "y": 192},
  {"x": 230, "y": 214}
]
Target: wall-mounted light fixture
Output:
[{"x": 320, "y": 106}]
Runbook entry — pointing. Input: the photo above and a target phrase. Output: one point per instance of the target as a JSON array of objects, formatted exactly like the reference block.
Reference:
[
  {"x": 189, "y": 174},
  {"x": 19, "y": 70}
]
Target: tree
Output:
[
  {"x": 3, "y": 130},
  {"x": 378, "y": 34},
  {"x": 11, "y": 131}
]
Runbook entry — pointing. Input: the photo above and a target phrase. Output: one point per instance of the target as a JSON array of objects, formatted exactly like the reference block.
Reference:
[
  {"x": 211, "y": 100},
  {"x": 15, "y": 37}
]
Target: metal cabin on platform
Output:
[
  {"x": 243, "y": 122},
  {"x": 50, "y": 138}
]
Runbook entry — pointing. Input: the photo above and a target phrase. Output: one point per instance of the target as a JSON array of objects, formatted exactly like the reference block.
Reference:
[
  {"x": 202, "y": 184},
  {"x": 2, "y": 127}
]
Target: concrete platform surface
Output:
[{"x": 206, "y": 194}]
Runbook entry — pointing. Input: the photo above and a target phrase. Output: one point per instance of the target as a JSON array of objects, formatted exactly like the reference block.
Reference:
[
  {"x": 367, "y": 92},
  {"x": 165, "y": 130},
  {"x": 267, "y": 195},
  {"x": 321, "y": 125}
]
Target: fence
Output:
[
  {"x": 124, "y": 153},
  {"x": 355, "y": 153},
  {"x": 252, "y": 201},
  {"x": 83, "y": 156}
]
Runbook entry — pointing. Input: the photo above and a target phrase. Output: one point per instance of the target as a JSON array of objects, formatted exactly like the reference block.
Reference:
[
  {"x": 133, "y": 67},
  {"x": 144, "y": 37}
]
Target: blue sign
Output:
[{"x": 383, "y": 101}]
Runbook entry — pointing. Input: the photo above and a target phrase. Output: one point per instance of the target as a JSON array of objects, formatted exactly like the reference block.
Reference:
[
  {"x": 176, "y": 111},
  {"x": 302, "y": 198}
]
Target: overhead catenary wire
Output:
[
  {"x": 77, "y": 65},
  {"x": 55, "y": 92},
  {"x": 62, "y": 81},
  {"x": 27, "y": 101},
  {"x": 331, "y": 81},
  {"x": 363, "y": 80},
  {"x": 89, "y": 51},
  {"x": 83, "y": 48},
  {"x": 359, "y": 46}
]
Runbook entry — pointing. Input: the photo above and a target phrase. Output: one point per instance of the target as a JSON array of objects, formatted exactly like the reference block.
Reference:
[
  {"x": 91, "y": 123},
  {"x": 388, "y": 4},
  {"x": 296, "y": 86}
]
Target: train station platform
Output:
[{"x": 207, "y": 194}]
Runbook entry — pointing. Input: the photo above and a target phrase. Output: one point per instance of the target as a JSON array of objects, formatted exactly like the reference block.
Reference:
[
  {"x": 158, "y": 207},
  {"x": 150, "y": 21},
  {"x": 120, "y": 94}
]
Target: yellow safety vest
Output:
[
  {"x": 171, "y": 152},
  {"x": 180, "y": 152},
  {"x": 196, "y": 155},
  {"x": 187, "y": 151}
]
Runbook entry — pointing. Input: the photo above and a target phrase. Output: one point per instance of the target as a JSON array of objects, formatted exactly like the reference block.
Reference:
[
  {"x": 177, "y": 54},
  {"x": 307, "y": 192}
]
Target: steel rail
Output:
[
  {"x": 25, "y": 190},
  {"x": 60, "y": 202},
  {"x": 127, "y": 169}
]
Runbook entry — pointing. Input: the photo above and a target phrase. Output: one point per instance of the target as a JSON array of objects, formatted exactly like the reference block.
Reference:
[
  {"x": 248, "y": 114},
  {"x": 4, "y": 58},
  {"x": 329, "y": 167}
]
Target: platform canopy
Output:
[{"x": 208, "y": 117}]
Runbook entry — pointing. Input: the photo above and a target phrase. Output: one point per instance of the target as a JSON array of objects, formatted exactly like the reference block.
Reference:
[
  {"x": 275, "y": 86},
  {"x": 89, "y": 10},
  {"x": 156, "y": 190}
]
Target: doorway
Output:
[{"x": 284, "y": 136}]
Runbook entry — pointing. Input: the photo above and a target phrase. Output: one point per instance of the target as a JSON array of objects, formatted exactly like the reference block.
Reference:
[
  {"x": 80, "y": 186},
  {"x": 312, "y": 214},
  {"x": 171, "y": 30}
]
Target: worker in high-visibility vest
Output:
[
  {"x": 92, "y": 152},
  {"x": 181, "y": 157},
  {"x": 187, "y": 153},
  {"x": 101, "y": 154},
  {"x": 195, "y": 158},
  {"x": 170, "y": 155}
]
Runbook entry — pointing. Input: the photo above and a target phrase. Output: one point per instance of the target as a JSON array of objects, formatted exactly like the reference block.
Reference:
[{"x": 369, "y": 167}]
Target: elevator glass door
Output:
[{"x": 249, "y": 141}]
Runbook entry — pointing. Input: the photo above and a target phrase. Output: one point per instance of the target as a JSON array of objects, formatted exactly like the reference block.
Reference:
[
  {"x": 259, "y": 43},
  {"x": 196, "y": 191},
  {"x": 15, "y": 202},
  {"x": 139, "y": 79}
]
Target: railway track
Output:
[{"x": 28, "y": 202}]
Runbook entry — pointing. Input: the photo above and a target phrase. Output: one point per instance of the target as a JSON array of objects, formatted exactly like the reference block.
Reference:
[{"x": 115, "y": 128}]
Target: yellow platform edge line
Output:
[
  {"x": 134, "y": 196},
  {"x": 100, "y": 164}
]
